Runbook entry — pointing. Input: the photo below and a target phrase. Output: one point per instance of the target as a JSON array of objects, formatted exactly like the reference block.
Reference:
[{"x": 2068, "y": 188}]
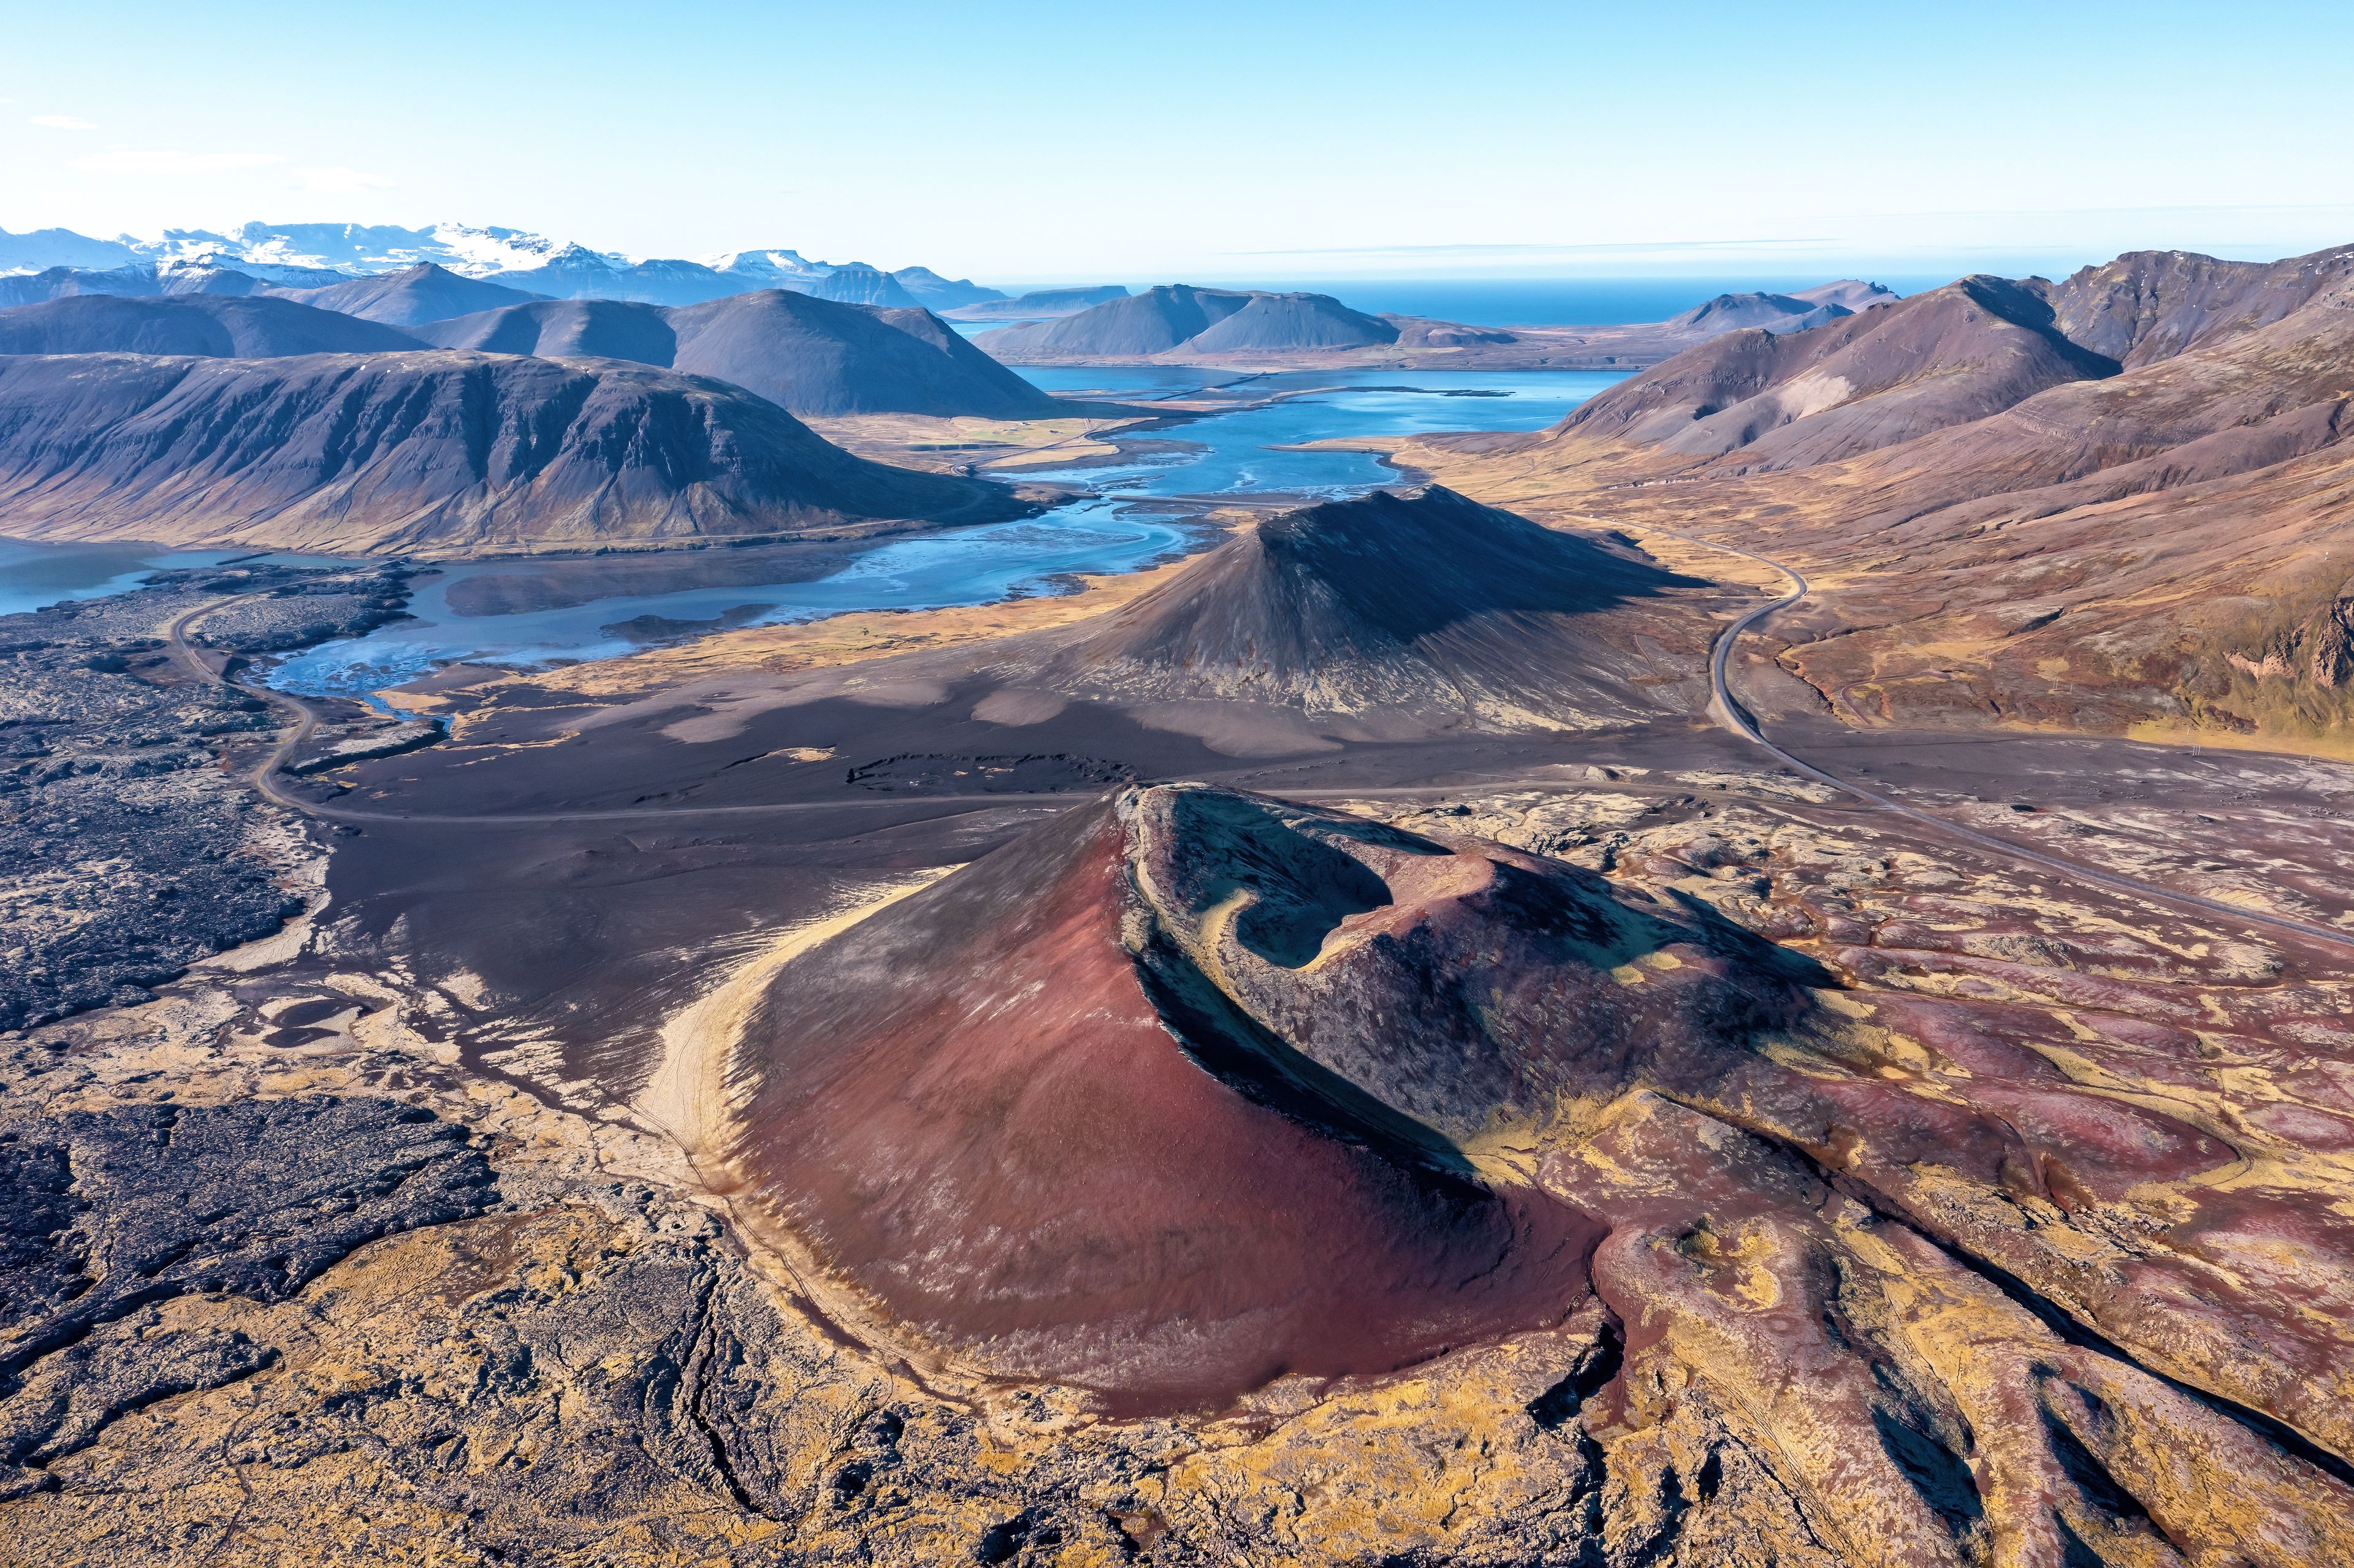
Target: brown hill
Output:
[
  {"x": 1953, "y": 355},
  {"x": 817, "y": 357},
  {"x": 2002, "y": 527},
  {"x": 1192, "y": 1090},
  {"x": 430, "y": 450}
]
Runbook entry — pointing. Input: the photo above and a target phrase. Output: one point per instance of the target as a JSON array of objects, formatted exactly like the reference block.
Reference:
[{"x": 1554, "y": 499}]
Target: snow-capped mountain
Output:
[
  {"x": 295, "y": 252},
  {"x": 772, "y": 269},
  {"x": 47, "y": 247},
  {"x": 314, "y": 255},
  {"x": 352, "y": 249}
]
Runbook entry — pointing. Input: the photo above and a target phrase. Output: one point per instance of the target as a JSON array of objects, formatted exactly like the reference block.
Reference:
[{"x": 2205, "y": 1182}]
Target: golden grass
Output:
[
  {"x": 945, "y": 444},
  {"x": 844, "y": 638}
]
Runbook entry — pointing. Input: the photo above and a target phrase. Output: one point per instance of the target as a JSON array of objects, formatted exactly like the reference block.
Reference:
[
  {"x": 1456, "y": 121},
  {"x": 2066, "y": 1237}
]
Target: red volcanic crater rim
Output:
[{"x": 1060, "y": 1112}]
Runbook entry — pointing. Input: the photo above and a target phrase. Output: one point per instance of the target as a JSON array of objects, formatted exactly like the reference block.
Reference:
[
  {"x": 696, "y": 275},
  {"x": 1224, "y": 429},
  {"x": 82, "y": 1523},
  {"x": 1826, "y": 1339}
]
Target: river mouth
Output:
[{"x": 1141, "y": 509}]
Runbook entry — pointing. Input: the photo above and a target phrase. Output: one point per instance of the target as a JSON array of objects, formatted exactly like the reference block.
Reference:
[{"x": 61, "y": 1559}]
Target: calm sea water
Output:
[
  {"x": 933, "y": 571},
  {"x": 1540, "y": 302},
  {"x": 34, "y": 576}
]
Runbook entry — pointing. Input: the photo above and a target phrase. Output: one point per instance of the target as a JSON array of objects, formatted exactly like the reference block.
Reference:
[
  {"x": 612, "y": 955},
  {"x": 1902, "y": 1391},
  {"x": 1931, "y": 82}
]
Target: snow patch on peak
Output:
[{"x": 774, "y": 262}]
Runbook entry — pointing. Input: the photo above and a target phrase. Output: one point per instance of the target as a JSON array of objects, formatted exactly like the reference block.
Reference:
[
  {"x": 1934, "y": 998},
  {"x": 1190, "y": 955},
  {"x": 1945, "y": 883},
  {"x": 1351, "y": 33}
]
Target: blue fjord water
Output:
[
  {"x": 35, "y": 575},
  {"x": 1136, "y": 516},
  {"x": 1128, "y": 523}
]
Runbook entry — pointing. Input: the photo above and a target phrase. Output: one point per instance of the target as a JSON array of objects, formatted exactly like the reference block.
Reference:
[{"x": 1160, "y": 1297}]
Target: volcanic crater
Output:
[{"x": 1194, "y": 1089}]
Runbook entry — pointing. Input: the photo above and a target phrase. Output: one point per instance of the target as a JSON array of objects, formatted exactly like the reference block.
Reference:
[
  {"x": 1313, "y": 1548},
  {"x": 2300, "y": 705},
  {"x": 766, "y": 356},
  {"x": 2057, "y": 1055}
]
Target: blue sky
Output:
[{"x": 1047, "y": 141}]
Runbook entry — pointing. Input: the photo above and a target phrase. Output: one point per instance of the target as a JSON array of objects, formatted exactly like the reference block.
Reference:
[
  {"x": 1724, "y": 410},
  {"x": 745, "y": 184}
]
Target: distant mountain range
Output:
[
  {"x": 1779, "y": 313},
  {"x": 809, "y": 356},
  {"x": 1179, "y": 318},
  {"x": 814, "y": 356},
  {"x": 209, "y": 326},
  {"x": 316, "y": 255}
]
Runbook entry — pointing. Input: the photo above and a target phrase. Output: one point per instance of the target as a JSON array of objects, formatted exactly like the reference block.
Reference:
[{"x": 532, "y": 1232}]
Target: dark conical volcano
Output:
[{"x": 1418, "y": 608}]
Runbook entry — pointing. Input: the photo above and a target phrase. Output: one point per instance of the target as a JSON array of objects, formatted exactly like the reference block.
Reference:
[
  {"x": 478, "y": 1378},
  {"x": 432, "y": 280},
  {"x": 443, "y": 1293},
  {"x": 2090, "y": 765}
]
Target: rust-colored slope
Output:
[
  {"x": 1103, "y": 1108},
  {"x": 1193, "y": 1088},
  {"x": 1897, "y": 372}
]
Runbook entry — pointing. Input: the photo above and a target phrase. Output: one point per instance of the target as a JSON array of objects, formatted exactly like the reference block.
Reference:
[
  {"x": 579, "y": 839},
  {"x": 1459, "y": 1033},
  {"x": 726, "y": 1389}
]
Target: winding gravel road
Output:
[{"x": 1728, "y": 712}]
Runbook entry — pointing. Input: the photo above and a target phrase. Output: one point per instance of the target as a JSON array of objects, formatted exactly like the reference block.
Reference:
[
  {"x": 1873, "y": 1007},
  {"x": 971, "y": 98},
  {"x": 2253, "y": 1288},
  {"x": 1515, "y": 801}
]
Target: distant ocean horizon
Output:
[{"x": 1544, "y": 301}]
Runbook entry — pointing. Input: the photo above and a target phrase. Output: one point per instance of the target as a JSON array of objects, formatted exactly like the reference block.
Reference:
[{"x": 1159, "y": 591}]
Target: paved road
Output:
[{"x": 1729, "y": 712}]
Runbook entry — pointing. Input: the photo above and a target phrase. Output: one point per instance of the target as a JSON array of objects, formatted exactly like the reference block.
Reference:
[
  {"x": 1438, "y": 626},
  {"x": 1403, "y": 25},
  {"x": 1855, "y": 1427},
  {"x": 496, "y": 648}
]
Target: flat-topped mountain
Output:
[
  {"x": 1038, "y": 304},
  {"x": 412, "y": 296},
  {"x": 1181, "y": 319},
  {"x": 214, "y": 326},
  {"x": 1418, "y": 609},
  {"x": 813, "y": 357},
  {"x": 1774, "y": 312},
  {"x": 436, "y": 450},
  {"x": 1097, "y": 1107}
]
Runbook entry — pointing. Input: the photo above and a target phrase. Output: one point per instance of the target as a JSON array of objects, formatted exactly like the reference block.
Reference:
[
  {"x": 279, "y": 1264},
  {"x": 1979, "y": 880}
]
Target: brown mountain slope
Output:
[
  {"x": 2173, "y": 545},
  {"x": 2153, "y": 305},
  {"x": 430, "y": 450},
  {"x": 1080, "y": 1112},
  {"x": 1945, "y": 358}
]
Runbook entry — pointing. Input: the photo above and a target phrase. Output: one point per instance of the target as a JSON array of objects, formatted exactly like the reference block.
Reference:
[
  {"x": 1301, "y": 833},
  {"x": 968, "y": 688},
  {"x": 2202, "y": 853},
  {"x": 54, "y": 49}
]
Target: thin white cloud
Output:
[
  {"x": 170, "y": 160},
  {"x": 60, "y": 122},
  {"x": 342, "y": 180}
]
